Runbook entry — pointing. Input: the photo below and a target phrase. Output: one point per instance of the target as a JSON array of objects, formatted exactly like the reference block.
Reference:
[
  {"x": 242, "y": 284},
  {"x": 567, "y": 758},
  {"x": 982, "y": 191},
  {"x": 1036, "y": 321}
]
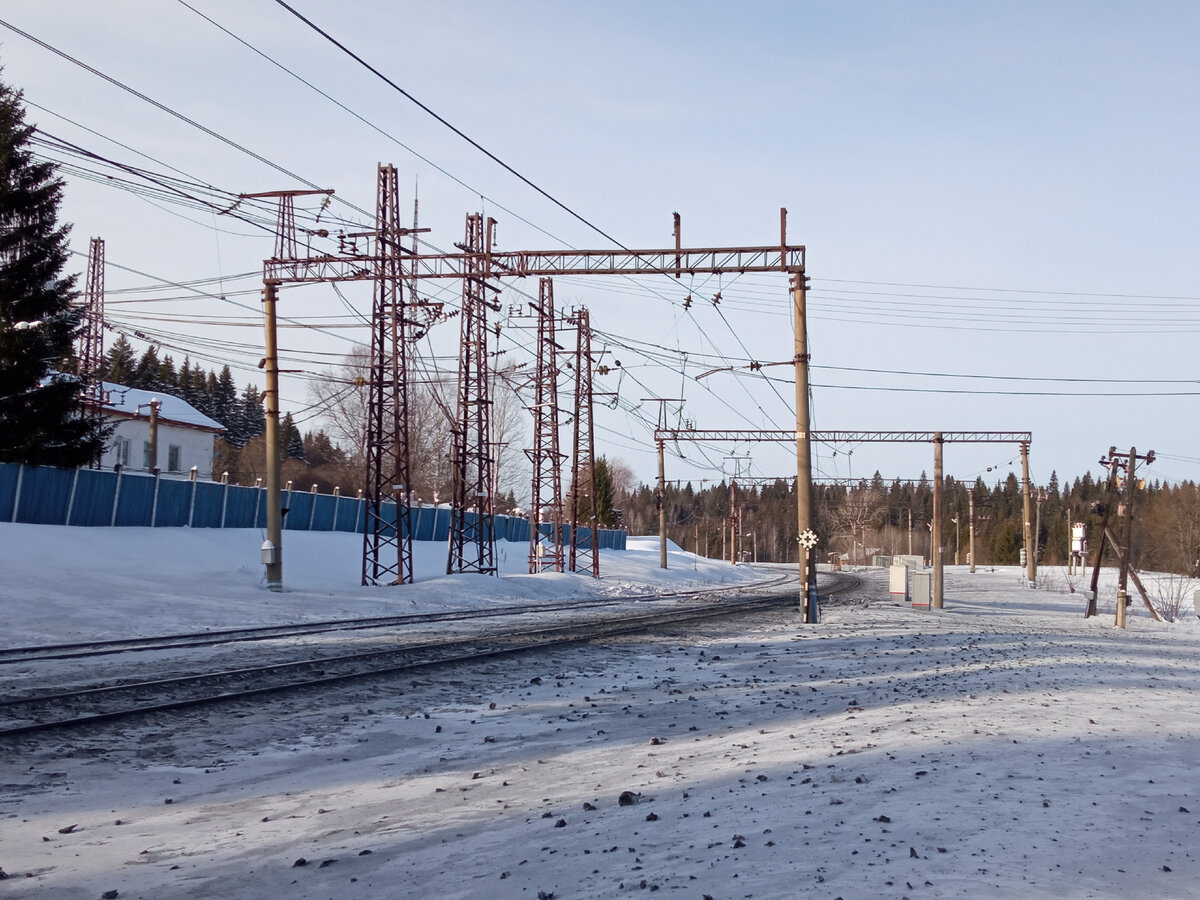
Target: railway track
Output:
[
  {"x": 83, "y": 649},
  {"x": 42, "y": 710}
]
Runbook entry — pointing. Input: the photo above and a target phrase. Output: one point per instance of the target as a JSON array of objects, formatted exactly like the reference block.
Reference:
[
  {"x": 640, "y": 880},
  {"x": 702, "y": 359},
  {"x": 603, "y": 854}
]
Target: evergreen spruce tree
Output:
[
  {"x": 120, "y": 361},
  {"x": 205, "y": 386},
  {"x": 145, "y": 373},
  {"x": 248, "y": 418},
  {"x": 319, "y": 450},
  {"x": 224, "y": 397},
  {"x": 185, "y": 386},
  {"x": 43, "y": 420},
  {"x": 168, "y": 378},
  {"x": 290, "y": 439},
  {"x": 604, "y": 495}
]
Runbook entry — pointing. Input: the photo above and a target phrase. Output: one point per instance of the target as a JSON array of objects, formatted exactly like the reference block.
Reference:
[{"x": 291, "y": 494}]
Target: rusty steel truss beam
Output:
[
  {"x": 546, "y": 263},
  {"x": 847, "y": 437}
]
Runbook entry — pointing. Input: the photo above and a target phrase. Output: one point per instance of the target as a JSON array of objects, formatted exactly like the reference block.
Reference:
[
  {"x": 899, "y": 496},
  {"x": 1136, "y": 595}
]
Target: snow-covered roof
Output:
[{"x": 133, "y": 402}]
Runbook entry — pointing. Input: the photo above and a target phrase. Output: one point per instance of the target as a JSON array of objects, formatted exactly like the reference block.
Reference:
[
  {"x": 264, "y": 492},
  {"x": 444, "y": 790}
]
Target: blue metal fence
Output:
[{"x": 40, "y": 495}]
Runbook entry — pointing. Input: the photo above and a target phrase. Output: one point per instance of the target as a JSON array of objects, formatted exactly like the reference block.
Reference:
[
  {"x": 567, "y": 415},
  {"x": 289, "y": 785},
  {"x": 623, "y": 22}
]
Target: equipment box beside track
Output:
[
  {"x": 922, "y": 589},
  {"x": 898, "y": 583}
]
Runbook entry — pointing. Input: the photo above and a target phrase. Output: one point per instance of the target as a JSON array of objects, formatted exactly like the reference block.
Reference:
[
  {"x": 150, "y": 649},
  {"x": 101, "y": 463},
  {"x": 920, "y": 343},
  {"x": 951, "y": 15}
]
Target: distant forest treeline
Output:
[{"x": 871, "y": 517}]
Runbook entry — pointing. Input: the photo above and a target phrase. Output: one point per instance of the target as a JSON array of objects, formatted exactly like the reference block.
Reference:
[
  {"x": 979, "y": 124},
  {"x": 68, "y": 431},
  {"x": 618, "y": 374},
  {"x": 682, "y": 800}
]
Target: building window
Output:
[
  {"x": 146, "y": 455},
  {"x": 173, "y": 458},
  {"x": 122, "y": 452}
]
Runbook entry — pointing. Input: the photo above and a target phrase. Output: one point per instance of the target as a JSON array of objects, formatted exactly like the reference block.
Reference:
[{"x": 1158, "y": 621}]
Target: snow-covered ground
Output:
[{"x": 1005, "y": 747}]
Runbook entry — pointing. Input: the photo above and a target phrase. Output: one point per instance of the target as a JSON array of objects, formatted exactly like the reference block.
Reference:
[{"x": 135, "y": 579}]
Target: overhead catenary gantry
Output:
[
  {"x": 548, "y": 263},
  {"x": 937, "y": 438},
  {"x": 482, "y": 270}
]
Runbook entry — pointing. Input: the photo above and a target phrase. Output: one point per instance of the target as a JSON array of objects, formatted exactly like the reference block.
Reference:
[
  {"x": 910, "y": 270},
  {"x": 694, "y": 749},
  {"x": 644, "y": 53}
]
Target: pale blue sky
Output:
[{"x": 1034, "y": 162}]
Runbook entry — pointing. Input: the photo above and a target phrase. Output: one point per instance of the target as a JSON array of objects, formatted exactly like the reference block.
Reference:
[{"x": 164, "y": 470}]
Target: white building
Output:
[{"x": 185, "y": 435}]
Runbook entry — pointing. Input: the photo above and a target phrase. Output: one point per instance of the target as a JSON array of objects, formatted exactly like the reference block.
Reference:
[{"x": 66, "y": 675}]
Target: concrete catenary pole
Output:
[
  {"x": 807, "y": 557},
  {"x": 274, "y": 561},
  {"x": 935, "y": 532},
  {"x": 1030, "y": 562},
  {"x": 662, "y": 506},
  {"x": 971, "y": 515}
]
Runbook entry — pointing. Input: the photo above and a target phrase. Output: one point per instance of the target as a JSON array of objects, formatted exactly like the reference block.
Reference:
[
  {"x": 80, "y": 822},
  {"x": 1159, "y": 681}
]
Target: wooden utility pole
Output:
[
  {"x": 1127, "y": 543},
  {"x": 1123, "y": 549},
  {"x": 155, "y": 405},
  {"x": 1108, "y": 463},
  {"x": 1133, "y": 575}
]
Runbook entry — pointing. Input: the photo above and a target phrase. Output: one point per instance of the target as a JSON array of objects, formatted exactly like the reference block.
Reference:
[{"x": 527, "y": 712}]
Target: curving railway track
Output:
[
  {"x": 44, "y": 709},
  {"x": 214, "y": 637}
]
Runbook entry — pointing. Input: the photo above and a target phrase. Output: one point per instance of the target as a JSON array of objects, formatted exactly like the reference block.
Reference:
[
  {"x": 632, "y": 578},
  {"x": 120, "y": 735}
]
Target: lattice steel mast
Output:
[
  {"x": 584, "y": 555},
  {"x": 546, "y": 551},
  {"x": 387, "y": 448},
  {"x": 91, "y": 356},
  {"x": 472, "y": 539}
]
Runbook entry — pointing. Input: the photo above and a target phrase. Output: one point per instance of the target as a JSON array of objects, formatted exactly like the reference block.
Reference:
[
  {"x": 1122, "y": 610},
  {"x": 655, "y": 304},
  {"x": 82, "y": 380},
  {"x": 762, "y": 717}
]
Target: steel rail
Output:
[
  {"x": 83, "y": 649},
  {"x": 451, "y": 651}
]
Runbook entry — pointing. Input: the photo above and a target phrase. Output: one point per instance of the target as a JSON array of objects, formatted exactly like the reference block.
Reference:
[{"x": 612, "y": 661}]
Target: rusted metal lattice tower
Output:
[
  {"x": 472, "y": 538},
  {"x": 546, "y": 551},
  {"x": 91, "y": 356},
  {"x": 584, "y": 554},
  {"x": 387, "y": 447}
]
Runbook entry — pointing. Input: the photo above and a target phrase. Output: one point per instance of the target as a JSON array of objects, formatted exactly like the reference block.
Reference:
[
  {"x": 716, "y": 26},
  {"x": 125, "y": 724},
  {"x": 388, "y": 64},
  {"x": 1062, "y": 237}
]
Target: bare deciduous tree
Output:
[
  {"x": 511, "y": 434},
  {"x": 343, "y": 396},
  {"x": 861, "y": 510}
]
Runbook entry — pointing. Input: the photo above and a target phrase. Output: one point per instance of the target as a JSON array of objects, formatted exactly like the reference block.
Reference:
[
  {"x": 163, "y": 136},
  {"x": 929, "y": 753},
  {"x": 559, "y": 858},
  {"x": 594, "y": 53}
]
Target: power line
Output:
[
  {"x": 366, "y": 121},
  {"x": 944, "y": 287},
  {"x": 386, "y": 80},
  {"x": 163, "y": 183},
  {"x": 164, "y": 108},
  {"x": 1013, "y": 377},
  {"x": 916, "y": 390}
]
